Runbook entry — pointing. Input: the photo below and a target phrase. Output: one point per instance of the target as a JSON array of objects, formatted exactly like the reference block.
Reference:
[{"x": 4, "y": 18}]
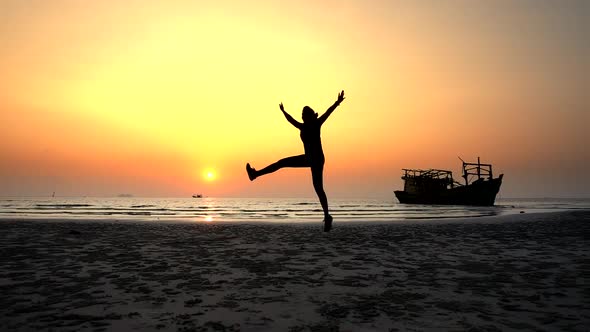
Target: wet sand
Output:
[{"x": 519, "y": 272}]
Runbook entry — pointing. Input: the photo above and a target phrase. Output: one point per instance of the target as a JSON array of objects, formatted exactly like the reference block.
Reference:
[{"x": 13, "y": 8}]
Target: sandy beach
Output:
[{"x": 517, "y": 272}]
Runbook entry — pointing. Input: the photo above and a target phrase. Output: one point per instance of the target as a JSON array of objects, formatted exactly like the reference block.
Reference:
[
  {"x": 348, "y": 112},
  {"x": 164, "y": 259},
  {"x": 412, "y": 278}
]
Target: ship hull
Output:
[{"x": 481, "y": 193}]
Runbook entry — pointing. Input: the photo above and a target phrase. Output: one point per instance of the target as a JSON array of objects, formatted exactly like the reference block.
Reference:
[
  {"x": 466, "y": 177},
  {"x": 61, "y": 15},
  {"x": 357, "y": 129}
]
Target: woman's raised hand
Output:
[
  {"x": 281, "y": 107},
  {"x": 341, "y": 96}
]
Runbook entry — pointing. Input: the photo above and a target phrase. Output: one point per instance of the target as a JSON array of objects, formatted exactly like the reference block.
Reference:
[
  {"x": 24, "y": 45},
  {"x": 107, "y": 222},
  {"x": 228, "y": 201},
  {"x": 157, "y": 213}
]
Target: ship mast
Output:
[{"x": 476, "y": 169}]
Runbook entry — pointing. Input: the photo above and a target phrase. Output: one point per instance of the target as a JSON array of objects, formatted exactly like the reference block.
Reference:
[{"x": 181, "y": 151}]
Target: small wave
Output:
[
  {"x": 133, "y": 213},
  {"x": 61, "y": 205}
]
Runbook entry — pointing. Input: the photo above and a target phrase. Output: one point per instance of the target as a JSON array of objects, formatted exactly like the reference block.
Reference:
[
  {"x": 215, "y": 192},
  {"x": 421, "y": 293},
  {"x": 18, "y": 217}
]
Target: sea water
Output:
[{"x": 211, "y": 209}]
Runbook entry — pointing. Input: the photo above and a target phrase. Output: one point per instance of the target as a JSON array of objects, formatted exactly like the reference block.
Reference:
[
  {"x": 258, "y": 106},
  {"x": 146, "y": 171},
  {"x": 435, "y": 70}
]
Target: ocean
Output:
[{"x": 211, "y": 209}]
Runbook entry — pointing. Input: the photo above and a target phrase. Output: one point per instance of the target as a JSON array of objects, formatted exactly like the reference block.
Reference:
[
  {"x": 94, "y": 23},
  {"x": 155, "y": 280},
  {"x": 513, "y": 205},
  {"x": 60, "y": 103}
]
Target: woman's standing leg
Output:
[
  {"x": 294, "y": 161},
  {"x": 317, "y": 177}
]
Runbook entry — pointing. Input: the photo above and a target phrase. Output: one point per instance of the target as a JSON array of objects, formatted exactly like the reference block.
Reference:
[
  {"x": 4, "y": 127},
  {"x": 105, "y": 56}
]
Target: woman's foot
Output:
[
  {"x": 251, "y": 172},
  {"x": 328, "y": 223}
]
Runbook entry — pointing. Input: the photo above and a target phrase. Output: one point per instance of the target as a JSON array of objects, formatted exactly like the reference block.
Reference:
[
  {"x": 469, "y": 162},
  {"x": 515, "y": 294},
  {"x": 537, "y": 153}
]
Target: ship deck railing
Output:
[{"x": 439, "y": 174}]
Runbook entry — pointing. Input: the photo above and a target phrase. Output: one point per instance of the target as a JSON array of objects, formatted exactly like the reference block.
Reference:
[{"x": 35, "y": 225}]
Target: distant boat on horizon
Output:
[
  {"x": 435, "y": 186},
  {"x": 197, "y": 196}
]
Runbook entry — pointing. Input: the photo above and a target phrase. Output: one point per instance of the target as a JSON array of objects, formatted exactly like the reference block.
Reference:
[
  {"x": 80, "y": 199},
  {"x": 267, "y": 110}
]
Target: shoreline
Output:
[
  {"x": 283, "y": 211},
  {"x": 500, "y": 217},
  {"x": 523, "y": 271}
]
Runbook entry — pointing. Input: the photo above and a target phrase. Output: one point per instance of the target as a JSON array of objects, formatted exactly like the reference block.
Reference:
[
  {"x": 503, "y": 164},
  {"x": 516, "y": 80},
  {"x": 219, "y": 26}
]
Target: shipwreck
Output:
[{"x": 435, "y": 186}]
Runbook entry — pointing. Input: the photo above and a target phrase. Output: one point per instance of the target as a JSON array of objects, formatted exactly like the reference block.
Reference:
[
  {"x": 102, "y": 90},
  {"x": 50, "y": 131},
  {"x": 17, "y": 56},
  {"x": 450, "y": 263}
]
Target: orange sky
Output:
[{"x": 146, "y": 97}]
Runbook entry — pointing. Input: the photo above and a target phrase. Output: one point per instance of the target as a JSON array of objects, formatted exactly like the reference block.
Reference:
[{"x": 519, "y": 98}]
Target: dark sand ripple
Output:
[{"x": 530, "y": 273}]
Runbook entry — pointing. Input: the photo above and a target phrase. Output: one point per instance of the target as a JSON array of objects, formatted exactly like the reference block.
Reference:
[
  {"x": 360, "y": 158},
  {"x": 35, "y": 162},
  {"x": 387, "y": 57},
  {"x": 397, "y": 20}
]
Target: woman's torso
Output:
[{"x": 312, "y": 141}]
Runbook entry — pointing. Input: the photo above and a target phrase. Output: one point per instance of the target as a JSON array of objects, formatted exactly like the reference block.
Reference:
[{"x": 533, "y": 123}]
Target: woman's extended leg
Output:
[
  {"x": 318, "y": 184},
  {"x": 294, "y": 161}
]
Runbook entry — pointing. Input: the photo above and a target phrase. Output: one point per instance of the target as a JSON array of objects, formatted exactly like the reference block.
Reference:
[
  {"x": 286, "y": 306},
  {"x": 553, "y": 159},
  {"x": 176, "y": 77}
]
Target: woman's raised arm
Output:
[
  {"x": 329, "y": 111},
  {"x": 294, "y": 122}
]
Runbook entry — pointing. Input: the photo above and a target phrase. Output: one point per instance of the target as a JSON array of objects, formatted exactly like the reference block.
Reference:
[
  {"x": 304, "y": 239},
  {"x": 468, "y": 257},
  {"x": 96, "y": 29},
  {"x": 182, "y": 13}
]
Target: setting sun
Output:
[{"x": 210, "y": 175}]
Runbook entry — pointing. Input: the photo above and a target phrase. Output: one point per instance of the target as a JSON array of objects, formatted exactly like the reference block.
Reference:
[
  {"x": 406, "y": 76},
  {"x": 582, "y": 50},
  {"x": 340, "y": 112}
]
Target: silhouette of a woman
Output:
[{"x": 313, "y": 157}]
